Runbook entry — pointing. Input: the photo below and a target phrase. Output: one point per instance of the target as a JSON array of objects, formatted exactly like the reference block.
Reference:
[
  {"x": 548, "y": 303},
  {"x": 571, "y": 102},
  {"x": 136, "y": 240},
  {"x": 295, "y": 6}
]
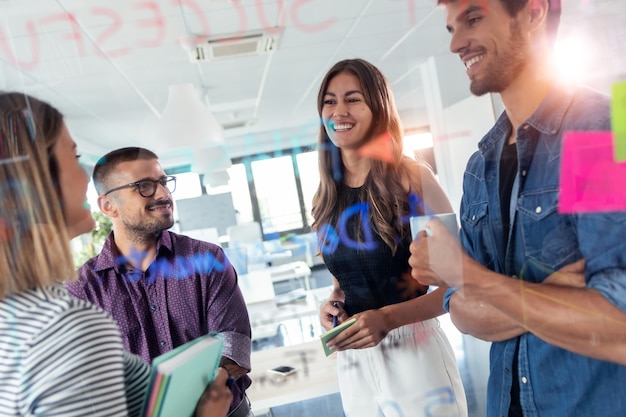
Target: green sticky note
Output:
[
  {"x": 618, "y": 120},
  {"x": 334, "y": 332}
]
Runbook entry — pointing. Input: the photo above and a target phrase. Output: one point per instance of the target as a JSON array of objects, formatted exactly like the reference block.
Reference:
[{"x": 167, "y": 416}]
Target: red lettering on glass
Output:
[
  {"x": 243, "y": 19},
  {"x": 8, "y": 50},
  {"x": 267, "y": 27},
  {"x": 308, "y": 28},
  {"x": 204, "y": 24},
  {"x": 76, "y": 35},
  {"x": 483, "y": 4},
  {"x": 412, "y": 17},
  {"x": 412, "y": 14},
  {"x": 116, "y": 25},
  {"x": 156, "y": 22}
]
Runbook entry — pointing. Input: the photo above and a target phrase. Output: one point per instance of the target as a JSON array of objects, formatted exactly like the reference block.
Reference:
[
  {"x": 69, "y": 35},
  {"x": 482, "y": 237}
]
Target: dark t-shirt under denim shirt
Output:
[
  {"x": 553, "y": 382},
  {"x": 508, "y": 172},
  {"x": 188, "y": 291}
]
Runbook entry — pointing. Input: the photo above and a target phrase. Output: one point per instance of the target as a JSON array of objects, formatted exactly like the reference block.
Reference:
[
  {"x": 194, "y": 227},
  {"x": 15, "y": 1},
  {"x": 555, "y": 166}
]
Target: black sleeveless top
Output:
[{"x": 370, "y": 276}]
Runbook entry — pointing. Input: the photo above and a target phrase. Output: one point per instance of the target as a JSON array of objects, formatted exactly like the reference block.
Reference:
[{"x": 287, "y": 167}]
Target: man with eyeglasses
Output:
[{"x": 162, "y": 288}]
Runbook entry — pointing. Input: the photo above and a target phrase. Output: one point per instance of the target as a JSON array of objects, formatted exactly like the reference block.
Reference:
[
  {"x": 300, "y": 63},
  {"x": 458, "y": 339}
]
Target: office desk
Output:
[
  {"x": 292, "y": 270},
  {"x": 265, "y": 317},
  {"x": 316, "y": 376}
]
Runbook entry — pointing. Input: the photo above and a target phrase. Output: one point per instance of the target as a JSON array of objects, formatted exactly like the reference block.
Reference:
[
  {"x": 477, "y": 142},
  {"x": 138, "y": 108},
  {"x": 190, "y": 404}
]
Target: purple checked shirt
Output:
[{"x": 188, "y": 291}]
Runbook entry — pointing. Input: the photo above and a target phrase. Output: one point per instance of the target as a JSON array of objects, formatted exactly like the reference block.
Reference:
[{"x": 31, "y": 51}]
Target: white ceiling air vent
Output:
[
  {"x": 238, "y": 124},
  {"x": 232, "y": 47}
]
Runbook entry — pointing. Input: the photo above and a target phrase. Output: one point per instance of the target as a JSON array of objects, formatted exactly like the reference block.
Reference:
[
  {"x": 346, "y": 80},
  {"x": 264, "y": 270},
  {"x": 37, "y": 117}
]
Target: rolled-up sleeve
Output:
[
  {"x": 611, "y": 283},
  {"x": 601, "y": 241},
  {"x": 446, "y": 298}
]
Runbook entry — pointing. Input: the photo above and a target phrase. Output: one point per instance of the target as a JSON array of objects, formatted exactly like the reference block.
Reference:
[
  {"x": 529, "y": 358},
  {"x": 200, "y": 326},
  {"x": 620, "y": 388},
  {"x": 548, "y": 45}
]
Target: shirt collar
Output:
[
  {"x": 549, "y": 115},
  {"x": 165, "y": 241},
  {"x": 547, "y": 118},
  {"x": 110, "y": 257}
]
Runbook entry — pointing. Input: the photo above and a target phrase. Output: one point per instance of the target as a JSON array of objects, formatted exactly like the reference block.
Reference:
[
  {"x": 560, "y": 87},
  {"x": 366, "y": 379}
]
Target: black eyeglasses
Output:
[{"x": 147, "y": 187}]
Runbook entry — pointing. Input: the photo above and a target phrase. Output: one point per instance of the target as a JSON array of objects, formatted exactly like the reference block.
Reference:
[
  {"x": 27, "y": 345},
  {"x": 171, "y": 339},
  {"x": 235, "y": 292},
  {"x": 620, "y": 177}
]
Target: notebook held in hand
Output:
[{"x": 180, "y": 376}]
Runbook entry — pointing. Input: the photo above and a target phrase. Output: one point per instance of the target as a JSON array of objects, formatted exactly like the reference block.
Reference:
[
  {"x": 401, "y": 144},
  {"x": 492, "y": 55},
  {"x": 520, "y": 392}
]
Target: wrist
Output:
[
  {"x": 473, "y": 274},
  {"x": 389, "y": 317}
]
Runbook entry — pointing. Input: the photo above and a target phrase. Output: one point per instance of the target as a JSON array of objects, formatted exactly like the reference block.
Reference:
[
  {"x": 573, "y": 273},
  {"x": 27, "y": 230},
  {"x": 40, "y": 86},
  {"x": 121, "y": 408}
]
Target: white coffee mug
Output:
[{"x": 418, "y": 223}]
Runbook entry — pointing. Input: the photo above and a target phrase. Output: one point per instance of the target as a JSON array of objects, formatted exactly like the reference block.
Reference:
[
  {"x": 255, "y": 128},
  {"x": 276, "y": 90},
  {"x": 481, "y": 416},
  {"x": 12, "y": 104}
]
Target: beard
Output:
[
  {"x": 507, "y": 66},
  {"x": 145, "y": 228}
]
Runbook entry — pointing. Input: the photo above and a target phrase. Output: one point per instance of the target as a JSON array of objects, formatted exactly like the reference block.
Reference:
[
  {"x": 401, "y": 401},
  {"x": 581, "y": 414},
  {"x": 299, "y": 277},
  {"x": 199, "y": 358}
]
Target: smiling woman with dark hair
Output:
[{"x": 403, "y": 359}]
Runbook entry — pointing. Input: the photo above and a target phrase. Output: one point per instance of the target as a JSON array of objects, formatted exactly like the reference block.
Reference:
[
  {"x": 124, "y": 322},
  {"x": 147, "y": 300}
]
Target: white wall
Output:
[
  {"x": 464, "y": 125},
  {"x": 457, "y": 122}
]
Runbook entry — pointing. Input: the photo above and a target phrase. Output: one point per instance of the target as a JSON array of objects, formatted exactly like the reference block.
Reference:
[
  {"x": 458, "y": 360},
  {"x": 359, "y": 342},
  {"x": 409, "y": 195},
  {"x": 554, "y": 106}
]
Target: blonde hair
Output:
[{"x": 34, "y": 243}]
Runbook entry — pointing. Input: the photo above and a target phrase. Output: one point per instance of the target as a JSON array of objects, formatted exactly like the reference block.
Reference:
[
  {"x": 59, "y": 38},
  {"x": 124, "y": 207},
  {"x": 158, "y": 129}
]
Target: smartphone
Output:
[{"x": 283, "y": 370}]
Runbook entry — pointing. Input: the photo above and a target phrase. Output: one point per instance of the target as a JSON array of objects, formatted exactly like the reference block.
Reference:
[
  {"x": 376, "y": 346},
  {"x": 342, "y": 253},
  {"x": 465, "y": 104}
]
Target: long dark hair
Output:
[{"x": 383, "y": 190}]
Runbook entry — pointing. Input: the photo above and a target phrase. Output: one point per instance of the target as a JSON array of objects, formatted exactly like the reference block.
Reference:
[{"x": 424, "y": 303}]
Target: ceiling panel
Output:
[{"x": 110, "y": 65}]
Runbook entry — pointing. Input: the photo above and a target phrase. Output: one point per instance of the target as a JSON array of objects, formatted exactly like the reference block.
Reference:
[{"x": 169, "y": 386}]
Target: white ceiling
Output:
[{"x": 109, "y": 71}]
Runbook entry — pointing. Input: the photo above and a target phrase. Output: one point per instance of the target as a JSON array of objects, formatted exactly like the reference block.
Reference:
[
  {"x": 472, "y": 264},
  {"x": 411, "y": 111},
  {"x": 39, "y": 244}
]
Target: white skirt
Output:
[{"x": 412, "y": 372}]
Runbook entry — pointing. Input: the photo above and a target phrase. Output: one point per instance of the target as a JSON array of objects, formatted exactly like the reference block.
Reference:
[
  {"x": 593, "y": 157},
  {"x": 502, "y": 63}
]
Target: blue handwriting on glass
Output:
[
  {"x": 180, "y": 267},
  {"x": 330, "y": 237}
]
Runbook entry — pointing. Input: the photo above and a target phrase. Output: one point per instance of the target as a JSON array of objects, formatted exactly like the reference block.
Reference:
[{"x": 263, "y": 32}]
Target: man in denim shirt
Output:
[{"x": 548, "y": 289}]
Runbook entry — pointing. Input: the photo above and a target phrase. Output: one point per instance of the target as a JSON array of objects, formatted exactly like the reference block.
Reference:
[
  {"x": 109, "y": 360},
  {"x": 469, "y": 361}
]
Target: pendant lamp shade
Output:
[
  {"x": 211, "y": 159},
  {"x": 186, "y": 122},
  {"x": 216, "y": 179}
]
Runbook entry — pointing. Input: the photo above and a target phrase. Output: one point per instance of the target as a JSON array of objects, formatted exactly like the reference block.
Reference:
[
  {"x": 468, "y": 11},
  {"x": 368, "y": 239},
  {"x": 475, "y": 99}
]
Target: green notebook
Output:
[
  {"x": 180, "y": 376},
  {"x": 334, "y": 332}
]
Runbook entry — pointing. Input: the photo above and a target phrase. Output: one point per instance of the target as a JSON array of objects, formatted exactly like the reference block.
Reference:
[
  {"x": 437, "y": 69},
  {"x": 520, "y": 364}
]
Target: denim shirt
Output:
[{"x": 553, "y": 382}]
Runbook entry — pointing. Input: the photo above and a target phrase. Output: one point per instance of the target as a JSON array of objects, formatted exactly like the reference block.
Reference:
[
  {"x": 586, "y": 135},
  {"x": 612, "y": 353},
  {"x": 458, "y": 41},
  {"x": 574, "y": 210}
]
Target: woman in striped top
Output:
[{"x": 59, "y": 356}]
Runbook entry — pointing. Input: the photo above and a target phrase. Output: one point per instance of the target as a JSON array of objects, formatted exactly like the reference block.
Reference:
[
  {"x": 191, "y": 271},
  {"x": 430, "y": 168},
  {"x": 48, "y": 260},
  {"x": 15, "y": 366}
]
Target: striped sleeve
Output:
[
  {"x": 136, "y": 378},
  {"x": 76, "y": 367}
]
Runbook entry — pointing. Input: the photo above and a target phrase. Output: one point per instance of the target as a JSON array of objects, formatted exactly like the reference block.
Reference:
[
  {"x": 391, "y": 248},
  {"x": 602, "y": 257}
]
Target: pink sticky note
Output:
[{"x": 591, "y": 180}]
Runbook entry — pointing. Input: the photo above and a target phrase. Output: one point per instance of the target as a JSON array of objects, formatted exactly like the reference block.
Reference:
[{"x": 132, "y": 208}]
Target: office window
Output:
[
  {"x": 415, "y": 142},
  {"x": 277, "y": 194},
  {"x": 420, "y": 146},
  {"x": 92, "y": 196},
  {"x": 187, "y": 186},
  {"x": 240, "y": 191},
  {"x": 308, "y": 173}
]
